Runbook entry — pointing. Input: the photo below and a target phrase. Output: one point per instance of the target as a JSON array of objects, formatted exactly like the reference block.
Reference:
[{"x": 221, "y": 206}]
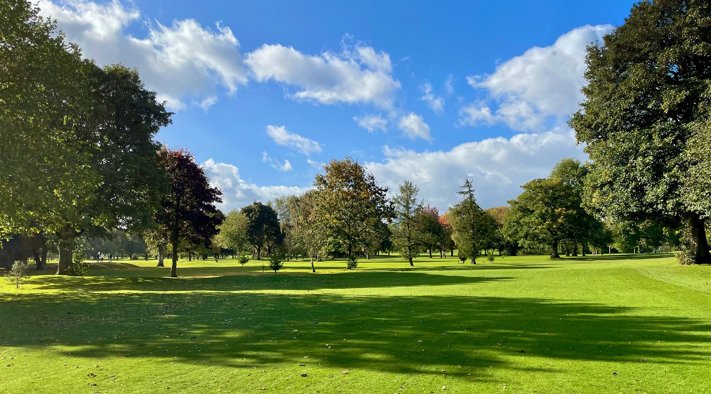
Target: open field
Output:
[{"x": 520, "y": 324}]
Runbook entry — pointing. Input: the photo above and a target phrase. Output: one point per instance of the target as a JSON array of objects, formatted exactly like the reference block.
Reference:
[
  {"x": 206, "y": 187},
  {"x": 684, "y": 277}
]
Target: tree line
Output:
[{"x": 79, "y": 161}]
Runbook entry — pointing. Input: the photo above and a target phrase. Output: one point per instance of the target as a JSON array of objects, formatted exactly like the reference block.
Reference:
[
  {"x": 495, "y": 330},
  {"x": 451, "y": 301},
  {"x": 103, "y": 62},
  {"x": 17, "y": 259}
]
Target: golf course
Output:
[{"x": 617, "y": 323}]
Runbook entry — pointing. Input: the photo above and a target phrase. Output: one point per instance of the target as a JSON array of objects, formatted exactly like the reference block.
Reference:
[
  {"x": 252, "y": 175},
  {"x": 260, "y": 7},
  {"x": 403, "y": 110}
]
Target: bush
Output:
[
  {"x": 490, "y": 257},
  {"x": 685, "y": 257},
  {"x": 276, "y": 262},
  {"x": 243, "y": 260},
  {"x": 352, "y": 263},
  {"x": 77, "y": 268},
  {"x": 462, "y": 257},
  {"x": 18, "y": 271}
]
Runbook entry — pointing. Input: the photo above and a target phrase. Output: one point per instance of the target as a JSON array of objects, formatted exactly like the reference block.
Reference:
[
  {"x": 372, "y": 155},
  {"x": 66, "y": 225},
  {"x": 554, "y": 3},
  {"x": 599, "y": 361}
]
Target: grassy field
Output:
[{"x": 519, "y": 324}]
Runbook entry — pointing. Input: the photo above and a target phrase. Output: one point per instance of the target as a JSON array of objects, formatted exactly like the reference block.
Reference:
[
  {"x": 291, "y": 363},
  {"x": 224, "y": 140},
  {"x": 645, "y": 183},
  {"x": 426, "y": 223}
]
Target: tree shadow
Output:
[
  {"x": 209, "y": 279},
  {"x": 401, "y": 334},
  {"x": 615, "y": 257}
]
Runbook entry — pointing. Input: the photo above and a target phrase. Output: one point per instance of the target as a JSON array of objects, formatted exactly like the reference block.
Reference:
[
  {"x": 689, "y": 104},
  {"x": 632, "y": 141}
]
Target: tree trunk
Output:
[
  {"x": 410, "y": 259},
  {"x": 174, "y": 266},
  {"x": 38, "y": 259},
  {"x": 66, "y": 250},
  {"x": 259, "y": 252},
  {"x": 313, "y": 268},
  {"x": 161, "y": 255},
  {"x": 554, "y": 250},
  {"x": 699, "y": 242},
  {"x": 430, "y": 252}
]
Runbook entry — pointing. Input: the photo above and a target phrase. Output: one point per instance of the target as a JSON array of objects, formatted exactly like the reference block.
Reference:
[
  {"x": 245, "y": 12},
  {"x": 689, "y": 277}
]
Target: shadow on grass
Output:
[
  {"x": 409, "y": 335},
  {"x": 620, "y": 256},
  {"x": 209, "y": 280}
]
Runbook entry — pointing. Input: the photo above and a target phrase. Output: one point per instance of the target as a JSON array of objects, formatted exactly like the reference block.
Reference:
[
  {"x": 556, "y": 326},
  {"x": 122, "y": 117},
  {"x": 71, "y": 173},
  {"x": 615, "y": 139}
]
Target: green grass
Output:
[{"x": 519, "y": 324}]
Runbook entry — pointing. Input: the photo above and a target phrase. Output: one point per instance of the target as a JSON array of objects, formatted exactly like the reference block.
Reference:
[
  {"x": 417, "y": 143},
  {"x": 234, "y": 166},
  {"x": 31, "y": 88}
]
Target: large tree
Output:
[
  {"x": 406, "y": 232},
  {"x": 263, "y": 228},
  {"x": 646, "y": 109},
  {"x": 351, "y": 204},
  {"x": 188, "y": 210},
  {"x": 78, "y": 155}
]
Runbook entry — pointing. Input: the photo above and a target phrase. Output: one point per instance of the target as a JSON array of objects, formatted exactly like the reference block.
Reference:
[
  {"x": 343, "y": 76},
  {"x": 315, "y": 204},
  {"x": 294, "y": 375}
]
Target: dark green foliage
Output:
[
  {"x": 276, "y": 261},
  {"x": 407, "y": 234},
  {"x": 469, "y": 225},
  {"x": 263, "y": 228},
  {"x": 646, "y": 115}
]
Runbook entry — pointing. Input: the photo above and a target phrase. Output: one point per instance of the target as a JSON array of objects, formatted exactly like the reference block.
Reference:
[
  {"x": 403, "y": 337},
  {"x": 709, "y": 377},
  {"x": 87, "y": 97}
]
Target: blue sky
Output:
[{"x": 265, "y": 92}]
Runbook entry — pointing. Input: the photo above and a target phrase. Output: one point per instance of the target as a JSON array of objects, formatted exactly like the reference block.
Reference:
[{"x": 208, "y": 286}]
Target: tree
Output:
[
  {"x": 81, "y": 157},
  {"x": 309, "y": 229},
  {"x": 646, "y": 108},
  {"x": 233, "y": 233},
  {"x": 429, "y": 228},
  {"x": 540, "y": 215},
  {"x": 467, "y": 224},
  {"x": 188, "y": 211},
  {"x": 351, "y": 204},
  {"x": 263, "y": 228},
  {"x": 286, "y": 209},
  {"x": 406, "y": 234}
]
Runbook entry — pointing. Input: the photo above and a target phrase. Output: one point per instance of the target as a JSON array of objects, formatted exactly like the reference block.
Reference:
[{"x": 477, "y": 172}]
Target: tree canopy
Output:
[{"x": 646, "y": 111}]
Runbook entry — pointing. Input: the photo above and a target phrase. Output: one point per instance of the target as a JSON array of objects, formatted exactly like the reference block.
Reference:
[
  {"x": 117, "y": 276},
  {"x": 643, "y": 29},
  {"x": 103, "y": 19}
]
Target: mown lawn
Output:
[{"x": 519, "y": 324}]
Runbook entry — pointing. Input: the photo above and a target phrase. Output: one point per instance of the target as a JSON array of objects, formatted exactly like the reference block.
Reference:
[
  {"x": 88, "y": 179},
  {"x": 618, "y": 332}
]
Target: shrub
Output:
[
  {"x": 462, "y": 257},
  {"x": 490, "y": 257},
  {"x": 243, "y": 260},
  {"x": 77, "y": 268},
  {"x": 685, "y": 257},
  {"x": 352, "y": 263},
  {"x": 18, "y": 271},
  {"x": 276, "y": 262}
]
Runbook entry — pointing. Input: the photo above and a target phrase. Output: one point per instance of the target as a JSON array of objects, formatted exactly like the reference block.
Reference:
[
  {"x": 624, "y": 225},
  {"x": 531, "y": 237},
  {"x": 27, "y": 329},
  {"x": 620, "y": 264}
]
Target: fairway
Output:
[{"x": 519, "y": 324}]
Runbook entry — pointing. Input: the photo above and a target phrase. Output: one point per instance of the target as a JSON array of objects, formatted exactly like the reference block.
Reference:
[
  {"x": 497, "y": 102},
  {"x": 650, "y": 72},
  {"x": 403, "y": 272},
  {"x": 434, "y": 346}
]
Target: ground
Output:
[{"x": 519, "y": 324}]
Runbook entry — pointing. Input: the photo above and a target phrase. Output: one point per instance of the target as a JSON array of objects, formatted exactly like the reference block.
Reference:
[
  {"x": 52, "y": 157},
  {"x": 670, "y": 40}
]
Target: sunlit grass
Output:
[{"x": 520, "y": 324}]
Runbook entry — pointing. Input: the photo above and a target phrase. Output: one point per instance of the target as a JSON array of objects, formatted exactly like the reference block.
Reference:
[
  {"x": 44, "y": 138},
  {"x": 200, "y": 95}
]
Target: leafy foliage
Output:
[
  {"x": 645, "y": 114},
  {"x": 188, "y": 211},
  {"x": 350, "y": 203},
  {"x": 406, "y": 232},
  {"x": 263, "y": 228}
]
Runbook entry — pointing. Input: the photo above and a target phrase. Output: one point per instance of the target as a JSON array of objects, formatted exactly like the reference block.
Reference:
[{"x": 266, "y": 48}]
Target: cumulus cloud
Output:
[
  {"x": 284, "y": 137},
  {"x": 358, "y": 76},
  {"x": 372, "y": 123},
  {"x": 185, "y": 63},
  {"x": 276, "y": 164},
  {"x": 538, "y": 87},
  {"x": 436, "y": 103},
  {"x": 497, "y": 166},
  {"x": 236, "y": 192},
  {"x": 414, "y": 127}
]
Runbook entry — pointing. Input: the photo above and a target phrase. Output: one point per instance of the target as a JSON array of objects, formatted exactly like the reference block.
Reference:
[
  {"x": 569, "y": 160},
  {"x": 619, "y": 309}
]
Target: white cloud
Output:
[
  {"x": 359, "y": 76},
  {"x": 284, "y": 137},
  {"x": 372, "y": 123},
  {"x": 236, "y": 192},
  {"x": 436, "y": 103},
  {"x": 498, "y": 166},
  {"x": 543, "y": 84},
  {"x": 449, "y": 84},
  {"x": 415, "y": 127},
  {"x": 183, "y": 62},
  {"x": 275, "y": 164}
]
